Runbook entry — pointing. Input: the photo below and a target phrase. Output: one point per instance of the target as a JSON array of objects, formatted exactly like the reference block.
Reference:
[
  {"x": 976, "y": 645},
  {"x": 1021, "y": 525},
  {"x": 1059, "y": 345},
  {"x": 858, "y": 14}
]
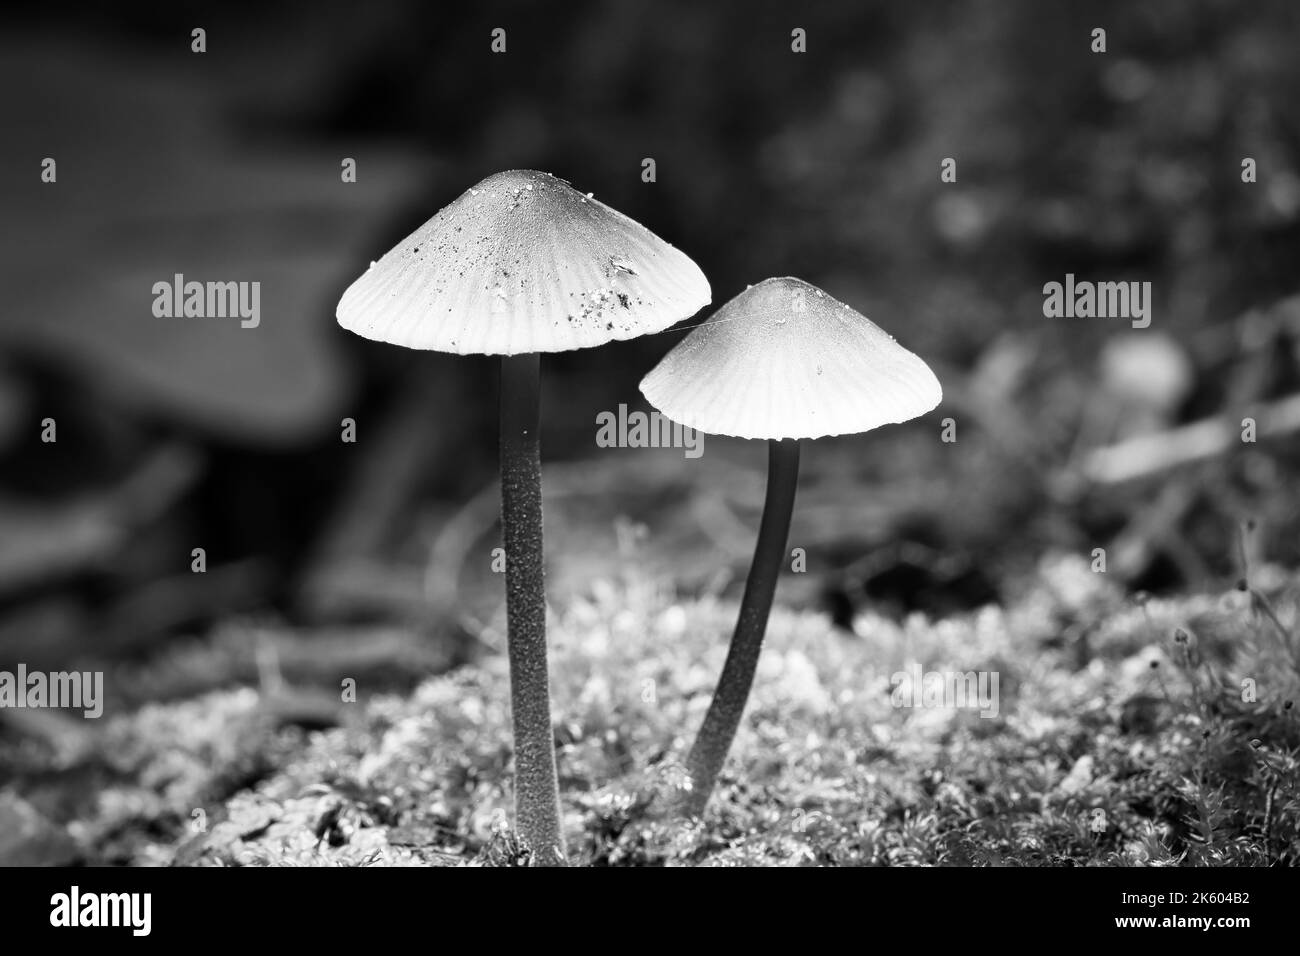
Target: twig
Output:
[{"x": 1145, "y": 455}]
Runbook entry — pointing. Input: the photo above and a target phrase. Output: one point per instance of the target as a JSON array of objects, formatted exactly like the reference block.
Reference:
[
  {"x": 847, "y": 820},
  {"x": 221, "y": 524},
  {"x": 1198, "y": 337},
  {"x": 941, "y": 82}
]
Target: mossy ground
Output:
[{"x": 1133, "y": 709}]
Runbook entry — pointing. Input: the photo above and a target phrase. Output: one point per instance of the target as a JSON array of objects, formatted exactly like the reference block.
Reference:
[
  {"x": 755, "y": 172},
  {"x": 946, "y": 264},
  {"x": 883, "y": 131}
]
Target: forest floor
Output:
[{"x": 1119, "y": 732}]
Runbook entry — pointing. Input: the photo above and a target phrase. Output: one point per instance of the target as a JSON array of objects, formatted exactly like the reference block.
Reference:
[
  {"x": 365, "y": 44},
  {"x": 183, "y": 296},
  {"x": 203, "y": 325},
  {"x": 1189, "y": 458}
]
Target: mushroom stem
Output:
[
  {"x": 537, "y": 795},
  {"x": 710, "y": 750}
]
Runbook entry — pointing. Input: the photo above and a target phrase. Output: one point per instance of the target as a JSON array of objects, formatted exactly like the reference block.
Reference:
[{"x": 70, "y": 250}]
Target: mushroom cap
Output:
[
  {"x": 522, "y": 263},
  {"x": 785, "y": 360}
]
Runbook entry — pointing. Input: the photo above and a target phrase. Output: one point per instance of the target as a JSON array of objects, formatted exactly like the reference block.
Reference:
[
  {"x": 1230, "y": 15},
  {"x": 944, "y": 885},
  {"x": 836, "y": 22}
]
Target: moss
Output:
[{"x": 1094, "y": 758}]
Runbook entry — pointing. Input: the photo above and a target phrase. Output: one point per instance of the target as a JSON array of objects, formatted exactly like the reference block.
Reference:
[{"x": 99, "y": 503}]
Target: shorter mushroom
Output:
[{"x": 782, "y": 361}]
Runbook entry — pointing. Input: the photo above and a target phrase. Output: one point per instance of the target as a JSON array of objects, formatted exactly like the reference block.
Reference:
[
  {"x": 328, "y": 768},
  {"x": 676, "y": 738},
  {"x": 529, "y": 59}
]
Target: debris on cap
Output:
[
  {"x": 785, "y": 360},
  {"x": 522, "y": 263}
]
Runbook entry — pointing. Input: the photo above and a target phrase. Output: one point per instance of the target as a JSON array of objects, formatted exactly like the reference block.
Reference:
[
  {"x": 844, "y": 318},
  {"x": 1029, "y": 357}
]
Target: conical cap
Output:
[
  {"x": 785, "y": 360},
  {"x": 520, "y": 263}
]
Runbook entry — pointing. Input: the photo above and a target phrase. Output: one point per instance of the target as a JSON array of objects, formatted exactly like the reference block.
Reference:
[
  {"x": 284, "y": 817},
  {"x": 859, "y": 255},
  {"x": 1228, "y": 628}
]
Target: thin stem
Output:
[
  {"x": 537, "y": 795},
  {"x": 710, "y": 750}
]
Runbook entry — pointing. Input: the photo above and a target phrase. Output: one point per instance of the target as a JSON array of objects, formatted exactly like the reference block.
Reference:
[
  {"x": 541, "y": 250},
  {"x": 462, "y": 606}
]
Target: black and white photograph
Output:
[{"x": 643, "y": 434}]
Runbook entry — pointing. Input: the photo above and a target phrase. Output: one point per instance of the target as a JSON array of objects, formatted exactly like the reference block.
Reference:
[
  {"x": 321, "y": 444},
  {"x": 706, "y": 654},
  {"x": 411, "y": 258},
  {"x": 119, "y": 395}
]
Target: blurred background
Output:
[{"x": 372, "y": 559}]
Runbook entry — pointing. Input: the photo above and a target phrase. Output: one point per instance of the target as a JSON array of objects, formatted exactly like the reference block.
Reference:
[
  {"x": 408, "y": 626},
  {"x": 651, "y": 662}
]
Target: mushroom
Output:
[
  {"x": 519, "y": 265},
  {"x": 782, "y": 361}
]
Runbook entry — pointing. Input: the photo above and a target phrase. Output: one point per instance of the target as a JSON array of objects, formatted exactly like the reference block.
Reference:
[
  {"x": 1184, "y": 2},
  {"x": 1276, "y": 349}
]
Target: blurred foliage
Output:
[{"x": 825, "y": 165}]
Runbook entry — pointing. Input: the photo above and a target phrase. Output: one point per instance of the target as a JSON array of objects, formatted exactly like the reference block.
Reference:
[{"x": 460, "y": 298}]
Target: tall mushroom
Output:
[
  {"x": 781, "y": 361},
  {"x": 519, "y": 265}
]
